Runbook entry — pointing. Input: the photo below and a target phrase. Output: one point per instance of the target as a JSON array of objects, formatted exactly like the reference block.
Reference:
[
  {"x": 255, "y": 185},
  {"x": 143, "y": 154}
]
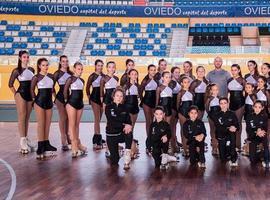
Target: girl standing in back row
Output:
[
  {"x": 24, "y": 74},
  {"x": 94, "y": 100},
  {"x": 61, "y": 76}
]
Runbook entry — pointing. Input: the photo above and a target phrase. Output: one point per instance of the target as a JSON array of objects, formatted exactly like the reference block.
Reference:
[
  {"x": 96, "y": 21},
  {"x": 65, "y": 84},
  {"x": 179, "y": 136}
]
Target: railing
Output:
[{"x": 228, "y": 50}]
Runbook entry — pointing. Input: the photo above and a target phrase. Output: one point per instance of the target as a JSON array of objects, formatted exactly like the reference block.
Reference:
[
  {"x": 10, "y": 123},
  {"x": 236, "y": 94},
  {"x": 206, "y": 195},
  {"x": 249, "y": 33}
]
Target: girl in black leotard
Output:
[
  {"x": 187, "y": 68},
  {"x": 108, "y": 83},
  {"x": 236, "y": 85},
  {"x": 147, "y": 92},
  {"x": 212, "y": 107},
  {"x": 94, "y": 100},
  {"x": 43, "y": 106},
  {"x": 265, "y": 70},
  {"x": 24, "y": 74},
  {"x": 162, "y": 66},
  {"x": 184, "y": 102},
  {"x": 131, "y": 89},
  {"x": 198, "y": 88},
  {"x": 164, "y": 95},
  {"x": 74, "y": 107},
  {"x": 130, "y": 64},
  {"x": 252, "y": 76},
  {"x": 176, "y": 87},
  {"x": 61, "y": 76}
]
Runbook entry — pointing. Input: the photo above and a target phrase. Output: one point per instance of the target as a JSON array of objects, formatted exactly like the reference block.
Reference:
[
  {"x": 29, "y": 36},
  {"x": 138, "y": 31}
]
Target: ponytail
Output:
[{"x": 19, "y": 66}]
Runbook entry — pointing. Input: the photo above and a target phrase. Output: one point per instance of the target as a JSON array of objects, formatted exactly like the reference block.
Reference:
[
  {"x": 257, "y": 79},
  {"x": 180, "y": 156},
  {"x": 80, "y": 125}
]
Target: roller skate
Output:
[
  {"x": 171, "y": 158},
  {"x": 31, "y": 145},
  {"x": 127, "y": 159},
  {"x": 97, "y": 142},
  {"x": 201, "y": 165},
  {"x": 40, "y": 150},
  {"x": 77, "y": 153},
  {"x": 49, "y": 149},
  {"x": 82, "y": 148},
  {"x": 164, "y": 162},
  {"x": 24, "y": 149},
  {"x": 233, "y": 164},
  {"x": 65, "y": 147},
  {"x": 265, "y": 164}
]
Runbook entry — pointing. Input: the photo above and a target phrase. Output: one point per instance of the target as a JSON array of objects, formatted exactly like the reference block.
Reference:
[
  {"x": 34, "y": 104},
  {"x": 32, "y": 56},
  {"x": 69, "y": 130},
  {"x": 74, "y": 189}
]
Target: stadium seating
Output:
[{"x": 102, "y": 39}]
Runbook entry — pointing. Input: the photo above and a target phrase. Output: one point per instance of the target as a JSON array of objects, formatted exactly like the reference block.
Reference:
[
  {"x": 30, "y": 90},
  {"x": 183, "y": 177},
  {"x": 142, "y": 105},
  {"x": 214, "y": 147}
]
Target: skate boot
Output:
[
  {"x": 24, "y": 149},
  {"x": 65, "y": 147},
  {"x": 49, "y": 149},
  {"x": 265, "y": 165},
  {"x": 32, "y": 146},
  {"x": 127, "y": 159},
  {"x": 201, "y": 165},
  {"x": 97, "y": 142},
  {"x": 233, "y": 164},
  {"x": 171, "y": 158},
  {"x": 81, "y": 147},
  {"x": 164, "y": 161},
  {"x": 40, "y": 150}
]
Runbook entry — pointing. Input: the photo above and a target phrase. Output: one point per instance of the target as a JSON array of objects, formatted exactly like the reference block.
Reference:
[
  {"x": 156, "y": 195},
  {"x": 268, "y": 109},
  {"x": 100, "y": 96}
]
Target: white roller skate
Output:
[
  {"x": 32, "y": 146},
  {"x": 201, "y": 165},
  {"x": 171, "y": 158},
  {"x": 164, "y": 161},
  {"x": 78, "y": 153},
  {"x": 127, "y": 159},
  {"x": 265, "y": 165},
  {"x": 233, "y": 164},
  {"x": 24, "y": 149}
]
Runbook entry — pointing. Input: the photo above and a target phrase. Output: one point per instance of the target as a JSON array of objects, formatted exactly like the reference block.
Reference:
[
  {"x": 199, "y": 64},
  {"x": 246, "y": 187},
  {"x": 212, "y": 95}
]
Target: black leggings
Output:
[
  {"x": 253, "y": 156},
  {"x": 158, "y": 149},
  {"x": 194, "y": 155},
  {"x": 112, "y": 142},
  {"x": 224, "y": 150}
]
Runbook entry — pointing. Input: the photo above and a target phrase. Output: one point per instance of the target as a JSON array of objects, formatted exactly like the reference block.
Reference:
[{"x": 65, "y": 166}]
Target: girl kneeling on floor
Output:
[
  {"x": 159, "y": 136},
  {"x": 195, "y": 132},
  {"x": 118, "y": 128}
]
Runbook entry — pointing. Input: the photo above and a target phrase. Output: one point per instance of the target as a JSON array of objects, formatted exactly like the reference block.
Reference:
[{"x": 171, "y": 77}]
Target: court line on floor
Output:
[{"x": 13, "y": 179}]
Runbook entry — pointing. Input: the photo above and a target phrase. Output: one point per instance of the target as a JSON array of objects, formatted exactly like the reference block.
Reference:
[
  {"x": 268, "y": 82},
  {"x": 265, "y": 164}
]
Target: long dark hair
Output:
[
  {"x": 96, "y": 62},
  {"x": 19, "y": 66},
  {"x": 40, "y": 60},
  {"x": 256, "y": 72},
  {"x": 238, "y": 67},
  {"x": 59, "y": 66}
]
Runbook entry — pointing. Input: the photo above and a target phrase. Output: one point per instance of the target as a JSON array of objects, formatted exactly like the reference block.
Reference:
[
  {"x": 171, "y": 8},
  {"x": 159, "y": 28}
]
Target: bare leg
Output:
[
  {"x": 63, "y": 122},
  {"x": 133, "y": 120},
  {"x": 173, "y": 124},
  {"x": 48, "y": 119},
  {"x": 214, "y": 141},
  {"x": 148, "y": 113},
  {"x": 40, "y": 115},
  {"x": 239, "y": 114},
  {"x": 72, "y": 116},
  {"x": 78, "y": 120},
  {"x": 97, "y": 110},
  {"x": 21, "y": 106},
  {"x": 200, "y": 114},
  {"x": 182, "y": 120}
]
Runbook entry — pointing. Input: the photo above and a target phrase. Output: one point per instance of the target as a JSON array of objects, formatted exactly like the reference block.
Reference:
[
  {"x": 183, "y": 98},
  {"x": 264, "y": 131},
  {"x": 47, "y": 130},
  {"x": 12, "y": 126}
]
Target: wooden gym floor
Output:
[{"x": 91, "y": 177}]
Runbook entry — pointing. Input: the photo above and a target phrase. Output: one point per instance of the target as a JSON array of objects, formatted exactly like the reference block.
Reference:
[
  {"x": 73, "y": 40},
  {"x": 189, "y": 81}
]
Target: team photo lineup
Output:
[
  {"x": 134, "y": 99},
  {"x": 166, "y": 97}
]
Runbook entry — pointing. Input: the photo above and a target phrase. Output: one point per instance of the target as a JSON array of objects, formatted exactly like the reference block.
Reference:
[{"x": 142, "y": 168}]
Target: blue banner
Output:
[{"x": 132, "y": 11}]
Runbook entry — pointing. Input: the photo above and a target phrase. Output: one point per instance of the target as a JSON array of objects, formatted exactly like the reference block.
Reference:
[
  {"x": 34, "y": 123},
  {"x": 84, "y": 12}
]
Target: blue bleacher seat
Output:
[
  {"x": 2, "y": 33},
  {"x": 118, "y": 41},
  {"x": 32, "y": 52},
  {"x": 54, "y": 52},
  {"x": 58, "y": 40},
  {"x": 3, "y": 22},
  {"x": 142, "y": 53},
  {"x": 132, "y": 35},
  {"x": 94, "y": 35},
  {"x": 10, "y": 51},
  {"x": 44, "y": 46}
]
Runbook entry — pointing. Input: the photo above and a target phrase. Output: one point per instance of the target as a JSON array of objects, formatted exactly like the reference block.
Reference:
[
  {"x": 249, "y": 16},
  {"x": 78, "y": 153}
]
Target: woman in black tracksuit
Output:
[
  {"x": 118, "y": 128},
  {"x": 257, "y": 133},
  {"x": 227, "y": 125},
  {"x": 195, "y": 132}
]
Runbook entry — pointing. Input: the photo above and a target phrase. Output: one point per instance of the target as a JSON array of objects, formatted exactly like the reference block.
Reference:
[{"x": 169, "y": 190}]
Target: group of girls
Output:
[{"x": 168, "y": 92}]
